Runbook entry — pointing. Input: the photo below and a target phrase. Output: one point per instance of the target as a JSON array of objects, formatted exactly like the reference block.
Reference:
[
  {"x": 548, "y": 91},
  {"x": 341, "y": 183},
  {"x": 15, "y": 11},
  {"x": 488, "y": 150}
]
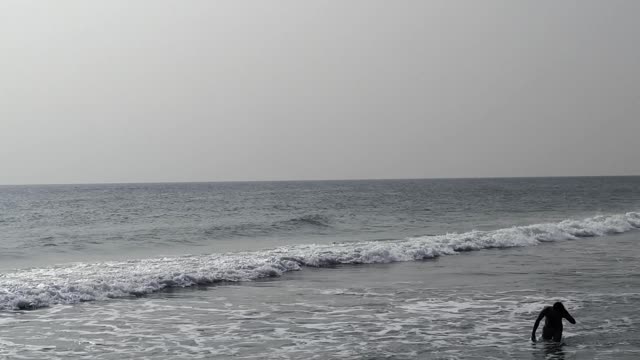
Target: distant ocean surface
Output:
[{"x": 385, "y": 269}]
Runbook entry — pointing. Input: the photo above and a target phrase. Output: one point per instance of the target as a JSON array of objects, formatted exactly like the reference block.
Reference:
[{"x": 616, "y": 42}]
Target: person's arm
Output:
[
  {"x": 568, "y": 317},
  {"x": 535, "y": 326}
]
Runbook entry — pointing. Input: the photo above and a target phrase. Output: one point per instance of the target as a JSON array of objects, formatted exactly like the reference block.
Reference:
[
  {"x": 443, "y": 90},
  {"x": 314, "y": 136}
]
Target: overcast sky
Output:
[{"x": 150, "y": 91}]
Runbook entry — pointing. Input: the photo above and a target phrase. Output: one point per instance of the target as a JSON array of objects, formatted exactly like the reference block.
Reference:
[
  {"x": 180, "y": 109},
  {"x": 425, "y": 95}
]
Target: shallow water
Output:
[{"x": 474, "y": 305}]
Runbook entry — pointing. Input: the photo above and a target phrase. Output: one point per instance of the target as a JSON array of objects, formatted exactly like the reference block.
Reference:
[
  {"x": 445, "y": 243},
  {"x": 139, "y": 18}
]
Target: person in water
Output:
[{"x": 553, "y": 315}]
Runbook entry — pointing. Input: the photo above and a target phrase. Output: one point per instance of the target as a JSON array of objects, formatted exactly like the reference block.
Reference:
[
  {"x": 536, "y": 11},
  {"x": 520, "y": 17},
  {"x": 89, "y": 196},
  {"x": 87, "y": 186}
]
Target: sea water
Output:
[{"x": 435, "y": 269}]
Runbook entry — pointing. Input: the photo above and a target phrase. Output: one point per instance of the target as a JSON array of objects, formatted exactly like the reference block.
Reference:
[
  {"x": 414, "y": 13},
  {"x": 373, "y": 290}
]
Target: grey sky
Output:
[{"x": 127, "y": 91}]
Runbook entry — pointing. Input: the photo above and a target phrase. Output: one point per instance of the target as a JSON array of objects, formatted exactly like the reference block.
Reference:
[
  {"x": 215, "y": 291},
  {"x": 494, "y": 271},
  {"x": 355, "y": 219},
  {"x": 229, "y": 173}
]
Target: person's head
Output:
[{"x": 559, "y": 307}]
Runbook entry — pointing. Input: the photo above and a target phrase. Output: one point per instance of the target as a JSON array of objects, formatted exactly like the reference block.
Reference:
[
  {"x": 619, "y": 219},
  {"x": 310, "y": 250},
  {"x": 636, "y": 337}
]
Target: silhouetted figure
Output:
[{"x": 553, "y": 322}]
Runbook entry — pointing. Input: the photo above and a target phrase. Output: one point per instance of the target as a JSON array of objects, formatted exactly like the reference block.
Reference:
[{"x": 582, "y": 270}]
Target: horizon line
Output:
[{"x": 321, "y": 180}]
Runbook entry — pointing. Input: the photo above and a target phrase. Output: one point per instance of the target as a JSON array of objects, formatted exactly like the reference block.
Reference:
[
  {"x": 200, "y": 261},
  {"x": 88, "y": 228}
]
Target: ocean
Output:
[{"x": 384, "y": 269}]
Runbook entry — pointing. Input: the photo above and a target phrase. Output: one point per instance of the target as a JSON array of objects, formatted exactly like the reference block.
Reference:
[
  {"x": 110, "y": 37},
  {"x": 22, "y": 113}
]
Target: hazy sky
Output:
[{"x": 128, "y": 91}]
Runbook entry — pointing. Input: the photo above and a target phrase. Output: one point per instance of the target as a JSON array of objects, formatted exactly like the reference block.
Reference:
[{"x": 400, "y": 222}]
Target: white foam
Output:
[{"x": 68, "y": 284}]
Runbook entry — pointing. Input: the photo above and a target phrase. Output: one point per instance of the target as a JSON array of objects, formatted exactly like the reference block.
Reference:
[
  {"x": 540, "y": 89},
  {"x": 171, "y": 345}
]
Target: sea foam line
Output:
[{"x": 68, "y": 284}]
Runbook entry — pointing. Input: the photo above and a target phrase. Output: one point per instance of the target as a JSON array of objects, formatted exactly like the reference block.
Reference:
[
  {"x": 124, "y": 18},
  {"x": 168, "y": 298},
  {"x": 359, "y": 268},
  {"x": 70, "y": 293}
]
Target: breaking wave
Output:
[{"x": 68, "y": 284}]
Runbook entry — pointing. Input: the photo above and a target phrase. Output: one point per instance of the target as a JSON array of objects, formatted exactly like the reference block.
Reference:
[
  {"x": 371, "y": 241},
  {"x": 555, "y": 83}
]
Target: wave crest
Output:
[
  {"x": 68, "y": 284},
  {"x": 313, "y": 220}
]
